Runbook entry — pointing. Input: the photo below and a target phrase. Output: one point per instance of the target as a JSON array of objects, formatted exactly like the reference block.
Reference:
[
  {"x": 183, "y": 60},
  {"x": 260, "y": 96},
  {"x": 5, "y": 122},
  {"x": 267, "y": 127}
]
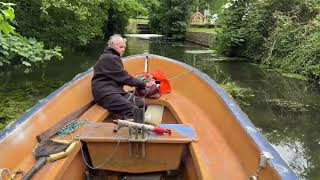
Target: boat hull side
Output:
[
  {"x": 19, "y": 140},
  {"x": 256, "y": 143}
]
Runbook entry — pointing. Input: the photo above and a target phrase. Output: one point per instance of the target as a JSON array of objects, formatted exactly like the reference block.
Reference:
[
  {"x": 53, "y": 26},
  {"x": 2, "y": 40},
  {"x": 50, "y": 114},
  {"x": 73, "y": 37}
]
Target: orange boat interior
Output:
[{"x": 223, "y": 149}]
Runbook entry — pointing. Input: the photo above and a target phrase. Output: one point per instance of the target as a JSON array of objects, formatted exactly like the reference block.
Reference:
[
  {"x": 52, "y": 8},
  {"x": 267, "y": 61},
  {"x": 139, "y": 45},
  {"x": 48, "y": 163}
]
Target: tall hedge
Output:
[
  {"x": 171, "y": 17},
  {"x": 74, "y": 22},
  {"x": 280, "y": 33}
]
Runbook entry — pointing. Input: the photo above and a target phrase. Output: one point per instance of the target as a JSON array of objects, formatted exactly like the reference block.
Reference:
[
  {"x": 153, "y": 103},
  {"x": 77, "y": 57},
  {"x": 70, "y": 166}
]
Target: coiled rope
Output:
[{"x": 71, "y": 127}]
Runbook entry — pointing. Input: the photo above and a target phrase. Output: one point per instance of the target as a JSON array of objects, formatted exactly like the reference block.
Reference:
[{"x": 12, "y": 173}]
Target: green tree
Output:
[
  {"x": 280, "y": 33},
  {"x": 120, "y": 12},
  {"x": 294, "y": 46},
  {"x": 231, "y": 38},
  {"x": 172, "y": 17},
  {"x": 215, "y": 6},
  {"x": 149, "y": 6},
  {"x": 16, "y": 50},
  {"x": 63, "y": 22},
  {"x": 6, "y": 17},
  {"x": 76, "y": 22}
]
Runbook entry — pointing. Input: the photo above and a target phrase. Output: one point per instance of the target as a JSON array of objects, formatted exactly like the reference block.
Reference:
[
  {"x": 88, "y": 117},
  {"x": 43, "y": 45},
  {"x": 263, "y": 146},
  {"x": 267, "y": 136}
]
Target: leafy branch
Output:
[{"x": 19, "y": 51}]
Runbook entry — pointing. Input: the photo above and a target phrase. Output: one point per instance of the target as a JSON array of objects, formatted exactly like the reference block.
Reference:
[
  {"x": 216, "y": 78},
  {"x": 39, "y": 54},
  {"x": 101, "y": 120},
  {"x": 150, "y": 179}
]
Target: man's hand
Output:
[{"x": 150, "y": 83}]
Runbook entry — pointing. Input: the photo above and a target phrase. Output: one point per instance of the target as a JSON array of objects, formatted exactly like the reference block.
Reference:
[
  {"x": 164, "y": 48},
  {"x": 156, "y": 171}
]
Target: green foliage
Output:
[
  {"x": 6, "y": 17},
  {"x": 215, "y": 6},
  {"x": 76, "y": 22},
  {"x": 171, "y": 17},
  {"x": 120, "y": 12},
  {"x": 19, "y": 51},
  {"x": 118, "y": 18},
  {"x": 149, "y": 6},
  {"x": 60, "y": 22},
  {"x": 66, "y": 22},
  {"x": 232, "y": 35},
  {"x": 22, "y": 52},
  {"x": 296, "y": 47},
  {"x": 280, "y": 33},
  {"x": 294, "y": 44}
]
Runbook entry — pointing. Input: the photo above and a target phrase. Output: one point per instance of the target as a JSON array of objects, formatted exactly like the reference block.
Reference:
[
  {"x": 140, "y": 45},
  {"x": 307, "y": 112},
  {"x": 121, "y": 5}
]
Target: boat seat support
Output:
[{"x": 139, "y": 137}]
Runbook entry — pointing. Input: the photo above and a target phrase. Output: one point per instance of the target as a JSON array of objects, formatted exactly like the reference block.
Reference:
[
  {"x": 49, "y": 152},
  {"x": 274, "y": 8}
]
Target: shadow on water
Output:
[{"x": 285, "y": 110}]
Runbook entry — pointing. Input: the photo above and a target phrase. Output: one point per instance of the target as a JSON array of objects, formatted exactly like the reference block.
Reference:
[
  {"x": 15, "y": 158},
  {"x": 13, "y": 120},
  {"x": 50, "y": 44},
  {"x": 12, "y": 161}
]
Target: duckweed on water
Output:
[
  {"x": 289, "y": 105},
  {"x": 282, "y": 72},
  {"x": 241, "y": 95},
  {"x": 11, "y": 108},
  {"x": 25, "y": 96}
]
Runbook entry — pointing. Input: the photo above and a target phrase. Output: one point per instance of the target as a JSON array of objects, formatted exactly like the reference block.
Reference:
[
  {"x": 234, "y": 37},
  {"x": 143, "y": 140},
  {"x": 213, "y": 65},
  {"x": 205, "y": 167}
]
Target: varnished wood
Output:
[
  {"x": 110, "y": 151},
  {"x": 103, "y": 132},
  {"x": 64, "y": 121}
]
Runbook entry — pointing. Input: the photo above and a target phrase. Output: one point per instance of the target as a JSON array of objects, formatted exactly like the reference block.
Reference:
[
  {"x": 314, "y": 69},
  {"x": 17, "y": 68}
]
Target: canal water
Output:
[{"x": 284, "y": 109}]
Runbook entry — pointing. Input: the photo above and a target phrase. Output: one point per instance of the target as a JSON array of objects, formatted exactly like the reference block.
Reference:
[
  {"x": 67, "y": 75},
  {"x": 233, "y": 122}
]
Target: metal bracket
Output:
[
  {"x": 138, "y": 136},
  {"x": 264, "y": 157}
]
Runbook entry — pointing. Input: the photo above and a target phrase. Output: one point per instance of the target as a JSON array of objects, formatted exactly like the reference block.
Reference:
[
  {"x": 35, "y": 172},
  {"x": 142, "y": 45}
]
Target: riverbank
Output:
[
  {"x": 274, "y": 33},
  {"x": 208, "y": 37},
  {"x": 202, "y": 38}
]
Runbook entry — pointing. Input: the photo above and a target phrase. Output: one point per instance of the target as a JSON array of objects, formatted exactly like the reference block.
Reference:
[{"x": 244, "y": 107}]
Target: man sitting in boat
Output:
[{"x": 109, "y": 77}]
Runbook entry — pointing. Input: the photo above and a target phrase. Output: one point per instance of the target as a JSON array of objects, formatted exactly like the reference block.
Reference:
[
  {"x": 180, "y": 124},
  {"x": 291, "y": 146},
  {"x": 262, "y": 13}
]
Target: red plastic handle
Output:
[{"x": 160, "y": 130}]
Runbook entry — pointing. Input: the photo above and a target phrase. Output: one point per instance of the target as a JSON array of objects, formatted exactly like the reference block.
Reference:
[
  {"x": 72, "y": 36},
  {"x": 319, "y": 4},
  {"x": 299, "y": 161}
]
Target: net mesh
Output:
[{"x": 47, "y": 147}]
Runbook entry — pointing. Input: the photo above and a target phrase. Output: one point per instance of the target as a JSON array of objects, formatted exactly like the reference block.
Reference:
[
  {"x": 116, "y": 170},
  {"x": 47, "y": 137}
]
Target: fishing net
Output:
[
  {"x": 48, "y": 147},
  {"x": 145, "y": 77},
  {"x": 71, "y": 127}
]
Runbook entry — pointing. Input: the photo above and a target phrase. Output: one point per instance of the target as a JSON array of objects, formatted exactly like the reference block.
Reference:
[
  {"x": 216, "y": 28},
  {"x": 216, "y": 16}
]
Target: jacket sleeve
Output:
[{"x": 113, "y": 69}]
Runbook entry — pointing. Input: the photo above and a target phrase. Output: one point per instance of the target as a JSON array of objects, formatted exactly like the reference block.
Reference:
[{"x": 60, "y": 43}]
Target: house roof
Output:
[{"x": 198, "y": 14}]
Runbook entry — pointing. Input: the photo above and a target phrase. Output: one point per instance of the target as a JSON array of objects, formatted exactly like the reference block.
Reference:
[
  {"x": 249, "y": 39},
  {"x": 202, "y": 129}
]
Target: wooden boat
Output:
[{"x": 226, "y": 145}]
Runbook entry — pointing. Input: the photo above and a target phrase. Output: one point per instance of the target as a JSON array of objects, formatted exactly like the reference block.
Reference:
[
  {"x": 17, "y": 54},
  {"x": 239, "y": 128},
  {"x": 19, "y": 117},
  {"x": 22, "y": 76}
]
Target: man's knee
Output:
[
  {"x": 122, "y": 104},
  {"x": 139, "y": 102}
]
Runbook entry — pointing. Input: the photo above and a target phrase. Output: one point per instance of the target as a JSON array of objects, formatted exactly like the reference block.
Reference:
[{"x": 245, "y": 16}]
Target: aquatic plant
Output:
[
  {"x": 289, "y": 105},
  {"x": 241, "y": 95},
  {"x": 17, "y": 102}
]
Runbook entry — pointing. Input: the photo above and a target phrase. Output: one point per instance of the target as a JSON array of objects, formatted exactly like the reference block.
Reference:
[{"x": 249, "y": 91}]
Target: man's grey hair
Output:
[{"x": 115, "y": 38}]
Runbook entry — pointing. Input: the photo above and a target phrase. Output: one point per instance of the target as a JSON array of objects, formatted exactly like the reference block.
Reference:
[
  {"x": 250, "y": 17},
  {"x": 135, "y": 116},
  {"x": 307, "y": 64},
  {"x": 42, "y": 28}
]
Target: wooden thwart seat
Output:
[
  {"x": 115, "y": 151},
  {"x": 58, "y": 169}
]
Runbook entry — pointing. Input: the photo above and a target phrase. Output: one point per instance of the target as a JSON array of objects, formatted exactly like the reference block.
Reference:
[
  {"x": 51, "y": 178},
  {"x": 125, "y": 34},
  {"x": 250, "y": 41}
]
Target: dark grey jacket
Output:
[{"x": 109, "y": 75}]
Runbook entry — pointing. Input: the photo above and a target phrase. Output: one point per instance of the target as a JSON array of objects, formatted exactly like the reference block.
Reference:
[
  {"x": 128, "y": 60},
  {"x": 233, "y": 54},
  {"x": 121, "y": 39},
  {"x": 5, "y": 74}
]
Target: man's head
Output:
[{"x": 118, "y": 43}]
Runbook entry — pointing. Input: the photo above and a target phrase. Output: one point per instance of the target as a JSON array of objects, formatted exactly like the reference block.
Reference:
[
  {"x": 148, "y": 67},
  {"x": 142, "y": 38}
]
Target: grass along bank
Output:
[{"x": 205, "y": 30}]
